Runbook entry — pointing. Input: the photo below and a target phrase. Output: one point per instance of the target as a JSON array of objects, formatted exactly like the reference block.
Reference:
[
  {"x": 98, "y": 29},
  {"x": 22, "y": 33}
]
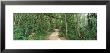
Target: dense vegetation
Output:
[{"x": 72, "y": 26}]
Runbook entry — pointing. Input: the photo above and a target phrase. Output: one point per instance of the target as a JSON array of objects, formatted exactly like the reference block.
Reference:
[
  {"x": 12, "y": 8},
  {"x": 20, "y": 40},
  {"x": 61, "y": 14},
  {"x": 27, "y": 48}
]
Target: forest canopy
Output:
[{"x": 70, "y": 26}]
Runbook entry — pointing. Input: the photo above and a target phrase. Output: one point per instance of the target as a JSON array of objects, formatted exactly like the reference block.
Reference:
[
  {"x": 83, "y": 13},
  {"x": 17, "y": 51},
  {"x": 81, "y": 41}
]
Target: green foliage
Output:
[{"x": 72, "y": 26}]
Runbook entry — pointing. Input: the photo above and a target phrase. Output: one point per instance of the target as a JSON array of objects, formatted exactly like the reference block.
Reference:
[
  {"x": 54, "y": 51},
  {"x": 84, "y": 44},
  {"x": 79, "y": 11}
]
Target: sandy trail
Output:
[{"x": 54, "y": 35}]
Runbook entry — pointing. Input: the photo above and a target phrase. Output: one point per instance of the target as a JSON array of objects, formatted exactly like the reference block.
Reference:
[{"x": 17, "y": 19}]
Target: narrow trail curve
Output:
[{"x": 54, "y": 35}]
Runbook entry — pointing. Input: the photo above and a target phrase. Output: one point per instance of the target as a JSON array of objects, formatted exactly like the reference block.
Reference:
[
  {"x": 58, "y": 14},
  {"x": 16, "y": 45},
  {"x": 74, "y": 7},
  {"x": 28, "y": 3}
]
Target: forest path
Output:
[{"x": 54, "y": 35}]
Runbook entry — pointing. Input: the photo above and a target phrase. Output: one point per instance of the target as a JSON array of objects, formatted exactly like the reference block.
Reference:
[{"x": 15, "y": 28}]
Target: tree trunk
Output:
[
  {"x": 66, "y": 25},
  {"x": 78, "y": 25}
]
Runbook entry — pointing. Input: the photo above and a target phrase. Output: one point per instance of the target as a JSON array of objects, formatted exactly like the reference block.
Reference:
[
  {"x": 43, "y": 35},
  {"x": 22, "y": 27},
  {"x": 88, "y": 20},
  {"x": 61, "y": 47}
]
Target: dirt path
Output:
[{"x": 54, "y": 35}]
